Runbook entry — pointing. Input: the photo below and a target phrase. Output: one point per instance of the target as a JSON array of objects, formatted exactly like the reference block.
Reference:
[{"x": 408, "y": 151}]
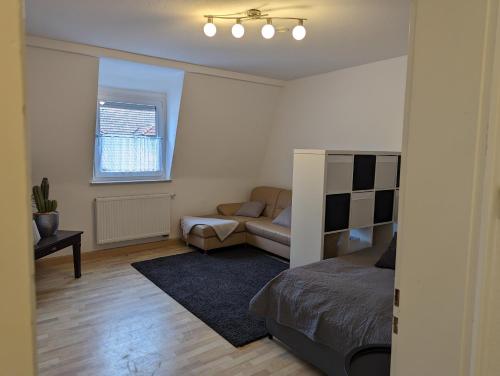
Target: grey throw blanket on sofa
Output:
[
  {"x": 222, "y": 227},
  {"x": 343, "y": 302}
]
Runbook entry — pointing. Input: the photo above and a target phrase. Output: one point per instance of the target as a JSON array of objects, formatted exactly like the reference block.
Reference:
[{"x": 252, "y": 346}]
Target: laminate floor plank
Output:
[{"x": 113, "y": 321}]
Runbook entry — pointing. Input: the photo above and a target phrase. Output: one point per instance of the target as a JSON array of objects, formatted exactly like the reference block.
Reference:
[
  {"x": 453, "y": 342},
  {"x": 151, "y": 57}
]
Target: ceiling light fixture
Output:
[
  {"x": 210, "y": 29},
  {"x": 238, "y": 30},
  {"x": 268, "y": 30},
  {"x": 299, "y": 31}
]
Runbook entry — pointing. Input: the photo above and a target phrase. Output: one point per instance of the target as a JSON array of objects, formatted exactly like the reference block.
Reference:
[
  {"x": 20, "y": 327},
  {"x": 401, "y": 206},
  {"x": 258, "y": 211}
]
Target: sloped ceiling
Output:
[{"x": 341, "y": 33}]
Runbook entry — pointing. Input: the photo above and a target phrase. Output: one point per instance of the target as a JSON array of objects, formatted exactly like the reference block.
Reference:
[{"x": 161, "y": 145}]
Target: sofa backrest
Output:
[
  {"x": 269, "y": 195},
  {"x": 284, "y": 200}
]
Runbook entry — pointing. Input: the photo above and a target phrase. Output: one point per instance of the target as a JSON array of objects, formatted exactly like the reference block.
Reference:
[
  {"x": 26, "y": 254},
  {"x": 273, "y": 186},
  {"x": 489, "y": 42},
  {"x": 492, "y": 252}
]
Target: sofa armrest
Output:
[{"x": 228, "y": 209}]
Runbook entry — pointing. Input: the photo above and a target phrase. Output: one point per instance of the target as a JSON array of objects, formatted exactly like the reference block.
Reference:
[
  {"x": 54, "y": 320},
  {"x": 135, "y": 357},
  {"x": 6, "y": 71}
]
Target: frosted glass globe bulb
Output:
[
  {"x": 238, "y": 30},
  {"x": 209, "y": 29},
  {"x": 299, "y": 32},
  {"x": 268, "y": 31}
]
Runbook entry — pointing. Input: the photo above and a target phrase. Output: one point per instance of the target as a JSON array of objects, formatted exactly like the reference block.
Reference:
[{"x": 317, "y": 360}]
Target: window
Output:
[{"x": 130, "y": 136}]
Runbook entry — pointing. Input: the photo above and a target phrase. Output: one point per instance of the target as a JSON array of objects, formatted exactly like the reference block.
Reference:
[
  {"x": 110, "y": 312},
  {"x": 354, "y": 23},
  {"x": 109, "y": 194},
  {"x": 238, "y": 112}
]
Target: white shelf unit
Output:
[{"x": 342, "y": 201}]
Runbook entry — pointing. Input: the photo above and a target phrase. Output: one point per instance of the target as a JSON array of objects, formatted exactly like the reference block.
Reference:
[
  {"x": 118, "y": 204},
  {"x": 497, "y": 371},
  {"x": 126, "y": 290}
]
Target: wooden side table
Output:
[{"x": 60, "y": 240}]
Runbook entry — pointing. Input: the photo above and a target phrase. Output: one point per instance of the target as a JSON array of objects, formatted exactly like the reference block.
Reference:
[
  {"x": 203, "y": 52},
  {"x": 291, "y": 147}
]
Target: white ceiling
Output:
[{"x": 341, "y": 33}]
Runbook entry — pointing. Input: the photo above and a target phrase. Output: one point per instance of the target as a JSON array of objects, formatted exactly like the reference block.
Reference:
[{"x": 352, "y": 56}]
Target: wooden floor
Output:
[{"x": 113, "y": 321}]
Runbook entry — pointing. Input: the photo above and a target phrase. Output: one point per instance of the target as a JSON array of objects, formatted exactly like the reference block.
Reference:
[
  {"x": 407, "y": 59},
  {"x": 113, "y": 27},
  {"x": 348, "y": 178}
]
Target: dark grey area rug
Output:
[{"x": 218, "y": 287}]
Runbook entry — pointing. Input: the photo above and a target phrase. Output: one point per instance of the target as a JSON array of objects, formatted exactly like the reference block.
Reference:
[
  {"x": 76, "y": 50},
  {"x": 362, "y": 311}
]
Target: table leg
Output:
[{"x": 77, "y": 262}]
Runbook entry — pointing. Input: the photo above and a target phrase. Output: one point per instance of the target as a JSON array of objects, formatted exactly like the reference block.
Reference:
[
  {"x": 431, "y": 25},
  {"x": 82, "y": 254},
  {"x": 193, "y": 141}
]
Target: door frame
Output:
[
  {"x": 483, "y": 294},
  {"x": 17, "y": 315}
]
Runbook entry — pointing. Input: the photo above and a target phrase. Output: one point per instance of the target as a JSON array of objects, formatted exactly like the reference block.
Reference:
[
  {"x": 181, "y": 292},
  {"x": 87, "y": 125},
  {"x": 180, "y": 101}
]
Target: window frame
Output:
[{"x": 159, "y": 100}]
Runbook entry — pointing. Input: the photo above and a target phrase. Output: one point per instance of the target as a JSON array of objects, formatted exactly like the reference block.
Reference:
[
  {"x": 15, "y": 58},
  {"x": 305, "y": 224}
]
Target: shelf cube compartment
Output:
[
  {"x": 362, "y": 204},
  {"x": 386, "y": 171},
  {"x": 360, "y": 238},
  {"x": 339, "y": 170},
  {"x": 331, "y": 243},
  {"x": 396, "y": 206},
  {"x": 384, "y": 206},
  {"x": 399, "y": 171},
  {"x": 337, "y": 212},
  {"x": 364, "y": 172},
  {"x": 383, "y": 234}
]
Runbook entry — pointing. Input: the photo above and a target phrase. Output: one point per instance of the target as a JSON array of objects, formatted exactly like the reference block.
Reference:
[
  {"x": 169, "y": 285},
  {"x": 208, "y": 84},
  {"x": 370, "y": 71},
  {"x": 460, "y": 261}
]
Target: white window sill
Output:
[{"x": 98, "y": 182}]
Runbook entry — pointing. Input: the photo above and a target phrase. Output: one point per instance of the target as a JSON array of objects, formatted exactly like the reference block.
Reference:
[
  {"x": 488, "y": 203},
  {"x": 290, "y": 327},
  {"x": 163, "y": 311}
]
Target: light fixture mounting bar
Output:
[
  {"x": 268, "y": 30},
  {"x": 251, "y": 14}
]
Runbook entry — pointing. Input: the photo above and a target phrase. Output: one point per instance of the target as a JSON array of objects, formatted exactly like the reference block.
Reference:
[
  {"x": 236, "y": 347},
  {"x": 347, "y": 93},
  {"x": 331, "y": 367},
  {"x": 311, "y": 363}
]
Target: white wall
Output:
[
  {"x": 359, "y": 108},
  {"x": 221, "y": 139},
  {"x": 232, "y": 134}
]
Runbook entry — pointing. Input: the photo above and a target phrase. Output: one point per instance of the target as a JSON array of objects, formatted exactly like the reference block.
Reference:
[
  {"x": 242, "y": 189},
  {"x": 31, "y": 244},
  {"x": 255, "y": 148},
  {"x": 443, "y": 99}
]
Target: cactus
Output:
[
  {"x": 52, "y": 205},
  {"x": 45, "y": 188},
  {"x": 41, "y": 197},
  {"x": 38, "y": 197}
]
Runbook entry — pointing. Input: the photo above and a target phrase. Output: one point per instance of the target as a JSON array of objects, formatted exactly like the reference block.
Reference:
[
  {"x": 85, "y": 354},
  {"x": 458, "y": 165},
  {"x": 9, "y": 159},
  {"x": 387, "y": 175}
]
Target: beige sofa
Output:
[{"x": 259, "y": 232}]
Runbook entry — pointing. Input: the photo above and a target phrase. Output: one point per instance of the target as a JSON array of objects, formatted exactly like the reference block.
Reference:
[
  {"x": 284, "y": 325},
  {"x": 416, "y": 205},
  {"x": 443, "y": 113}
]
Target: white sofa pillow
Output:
[
  {"x": 285, "y": 218},
  {"x": 251, "y": 209}
]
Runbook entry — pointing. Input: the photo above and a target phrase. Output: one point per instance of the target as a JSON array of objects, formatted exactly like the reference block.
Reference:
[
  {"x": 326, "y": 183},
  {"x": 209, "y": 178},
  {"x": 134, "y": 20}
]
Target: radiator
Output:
[{"x": 132, "y": 217}]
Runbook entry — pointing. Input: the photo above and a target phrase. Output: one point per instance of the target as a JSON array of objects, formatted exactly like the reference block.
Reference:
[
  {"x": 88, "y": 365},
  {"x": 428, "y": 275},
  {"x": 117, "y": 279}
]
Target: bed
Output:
[{"x": 326, "y": 310}]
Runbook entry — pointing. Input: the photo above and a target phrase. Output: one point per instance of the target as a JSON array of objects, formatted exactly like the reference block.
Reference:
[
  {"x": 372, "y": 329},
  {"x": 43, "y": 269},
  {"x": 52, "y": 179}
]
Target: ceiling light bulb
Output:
[
  {"x": 268, "y": 30},
  {"x": 238, "y": 30},
  {"x": 209, "y": 29},
  {"x": 299, "y": 32}
]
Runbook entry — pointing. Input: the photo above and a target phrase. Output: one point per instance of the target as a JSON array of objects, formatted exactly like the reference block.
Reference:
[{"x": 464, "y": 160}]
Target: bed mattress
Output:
[{"x": 343, "y": 302}]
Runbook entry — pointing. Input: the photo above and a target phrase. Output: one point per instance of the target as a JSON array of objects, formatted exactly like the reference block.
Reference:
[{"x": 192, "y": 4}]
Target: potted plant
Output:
[{"x": 47, "y": 218}]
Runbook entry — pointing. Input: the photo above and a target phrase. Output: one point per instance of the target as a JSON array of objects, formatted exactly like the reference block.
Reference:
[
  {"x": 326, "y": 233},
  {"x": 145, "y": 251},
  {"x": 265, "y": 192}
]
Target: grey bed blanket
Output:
[{"x": 343, "y": 302}]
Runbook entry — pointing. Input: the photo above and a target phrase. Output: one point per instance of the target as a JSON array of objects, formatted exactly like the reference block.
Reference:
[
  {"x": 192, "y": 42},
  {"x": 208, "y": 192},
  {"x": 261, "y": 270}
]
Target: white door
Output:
[{"x": 449, "y": 92}]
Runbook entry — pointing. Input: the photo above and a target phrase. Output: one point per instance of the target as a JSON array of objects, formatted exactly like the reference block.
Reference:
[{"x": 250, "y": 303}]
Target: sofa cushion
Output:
[
  {"x": 251, "y": 209},
  {"x": 284, "y": 201},
  {"x": 228, "y": 209},
  {"x": 269, "y": 230},
  {"x": 284, "y": 218},
  {"x": 269, "y": 195},
  {"x": 206, "y": 231}
]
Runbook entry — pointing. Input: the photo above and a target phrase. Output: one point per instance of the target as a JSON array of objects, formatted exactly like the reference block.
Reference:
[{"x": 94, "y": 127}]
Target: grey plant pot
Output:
[{"x": 47, "y": 223}]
